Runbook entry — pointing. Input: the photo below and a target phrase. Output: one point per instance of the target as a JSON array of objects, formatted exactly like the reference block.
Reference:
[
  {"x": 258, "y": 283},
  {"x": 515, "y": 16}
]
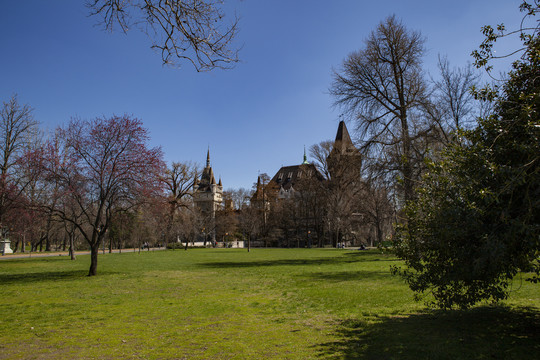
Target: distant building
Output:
[
  {"x": 289, "y": 196},
  {"x": 310, "y": 207},
  {"x": 208, "y": 197},
  {"x": 291, "y": 179},
  {"x": 286, "y": 182}
]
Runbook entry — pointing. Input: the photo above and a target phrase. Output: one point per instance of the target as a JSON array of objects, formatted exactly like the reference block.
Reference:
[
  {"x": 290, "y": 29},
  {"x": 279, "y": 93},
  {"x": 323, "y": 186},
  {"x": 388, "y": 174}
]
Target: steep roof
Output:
[
  {"x": 207, "y": 176},
  {"x": 288, "y": 176},
  {"x": 343, "y": 142}
]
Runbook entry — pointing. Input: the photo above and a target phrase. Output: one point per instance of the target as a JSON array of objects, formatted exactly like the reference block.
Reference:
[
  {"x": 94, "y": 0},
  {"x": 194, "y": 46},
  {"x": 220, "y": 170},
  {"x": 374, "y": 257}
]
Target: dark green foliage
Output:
[{"x": 475, "y": 224}]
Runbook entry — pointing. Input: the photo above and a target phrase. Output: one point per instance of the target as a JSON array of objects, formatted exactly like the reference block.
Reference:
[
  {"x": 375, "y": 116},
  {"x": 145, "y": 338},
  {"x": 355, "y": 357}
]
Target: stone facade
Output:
[{"x": 208, "y": 197}]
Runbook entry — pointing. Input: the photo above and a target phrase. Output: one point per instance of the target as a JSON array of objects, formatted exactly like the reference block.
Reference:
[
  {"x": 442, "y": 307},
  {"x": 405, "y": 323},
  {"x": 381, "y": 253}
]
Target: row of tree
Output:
[
  {"x": 90, "y": 178},
  {"x": 96, "y": 183},
  {"x": 74, "y": 183}
]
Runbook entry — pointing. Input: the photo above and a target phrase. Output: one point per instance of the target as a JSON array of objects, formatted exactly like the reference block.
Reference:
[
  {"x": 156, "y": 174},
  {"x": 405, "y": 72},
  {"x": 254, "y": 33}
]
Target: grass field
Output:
[{"x": 231, "y": 304}]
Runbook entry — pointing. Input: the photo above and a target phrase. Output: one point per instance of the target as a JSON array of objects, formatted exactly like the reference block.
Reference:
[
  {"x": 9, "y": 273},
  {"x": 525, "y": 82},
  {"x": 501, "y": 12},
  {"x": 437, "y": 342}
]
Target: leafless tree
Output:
[
  {"x": 382, "y": 86},
  {"x": 454, "y": 105},
  {"x": 239, "y": 197},
  {"x": 226, "y": 224},
  {"x": 191, "y": 30},
  {"x": 376, "y": 208},
  {"x": 178, "y": 180},
  {"x": 263, "y": 195},
  {"x": 341, "y": 165},
  {"x": 18, "y": 129},
  {"x": 319, "y": 153},
  {"x": 250, "y": 223}
]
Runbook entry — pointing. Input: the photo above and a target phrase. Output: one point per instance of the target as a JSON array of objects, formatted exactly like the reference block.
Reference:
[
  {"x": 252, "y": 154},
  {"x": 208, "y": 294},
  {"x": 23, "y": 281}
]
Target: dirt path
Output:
[{"x": 27, "y": 255}]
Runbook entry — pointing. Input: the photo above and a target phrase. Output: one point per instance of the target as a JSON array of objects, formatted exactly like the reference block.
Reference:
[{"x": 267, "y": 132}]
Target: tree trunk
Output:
[
  {"x": 94, "y": 250},
  {"x": 379, "y": 233},
  {"x": 407, "y": 166},
  {"x": 72, "y": 247},
  {"x": 47, "y": 243}
]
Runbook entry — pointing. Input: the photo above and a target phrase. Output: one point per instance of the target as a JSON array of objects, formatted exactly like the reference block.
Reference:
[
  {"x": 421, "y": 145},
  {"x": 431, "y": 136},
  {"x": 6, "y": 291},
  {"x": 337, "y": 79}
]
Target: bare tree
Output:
[
  {"x": 376, "y": 208},
  {"x": 239, "y": 197},
  {"x": 180, "y": 30},
  {"x": 262, "y": 196},
  {"x": 454, "y": 105},
  {"x": 178, "y": 180},
  {"x": 319, "y": 153},
  {"x": 17, "y": 131},
  {"x": 226, "y": 225},
  {"x": 250, "y": 223},
  {"x": 383, "y": 87}
]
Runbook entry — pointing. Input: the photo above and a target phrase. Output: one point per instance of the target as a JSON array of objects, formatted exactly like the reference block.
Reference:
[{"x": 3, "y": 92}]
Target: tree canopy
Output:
[
  {"x": 99, "y": 168},
  {"x": 476, "y": 222}
]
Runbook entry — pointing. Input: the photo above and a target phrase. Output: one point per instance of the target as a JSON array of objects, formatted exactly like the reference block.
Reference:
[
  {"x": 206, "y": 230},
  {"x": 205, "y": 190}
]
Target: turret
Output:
[{"x": 305, "y": 162}]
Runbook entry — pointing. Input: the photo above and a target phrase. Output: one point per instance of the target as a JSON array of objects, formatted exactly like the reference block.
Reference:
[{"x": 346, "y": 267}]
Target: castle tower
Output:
[
  {"x": 344, "y": 159},
  {"x": 208, "y": 196}
]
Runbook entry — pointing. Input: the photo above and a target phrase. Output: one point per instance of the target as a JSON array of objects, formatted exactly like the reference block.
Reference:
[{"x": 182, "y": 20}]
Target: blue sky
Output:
[{"x": 256, "y": 117}]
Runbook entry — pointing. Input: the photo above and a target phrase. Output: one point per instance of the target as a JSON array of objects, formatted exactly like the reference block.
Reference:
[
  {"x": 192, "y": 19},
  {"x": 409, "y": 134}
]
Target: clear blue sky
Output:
[{"x": 256, "y": 117}]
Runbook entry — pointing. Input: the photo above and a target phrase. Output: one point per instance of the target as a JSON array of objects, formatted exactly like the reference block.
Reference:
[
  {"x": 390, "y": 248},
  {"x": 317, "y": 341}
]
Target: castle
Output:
[{"x": 296, "y": 193}]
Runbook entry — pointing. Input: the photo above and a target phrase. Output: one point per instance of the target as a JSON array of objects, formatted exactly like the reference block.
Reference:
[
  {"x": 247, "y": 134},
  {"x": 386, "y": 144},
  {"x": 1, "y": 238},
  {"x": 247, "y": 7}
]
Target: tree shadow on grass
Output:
[
  {"x": 42, "y": 276},
  {"x": 349, "y": 257},
  {"x": 269, "y": 263},
  {"x": 480, "y": 333},
  {"x": 366, "y": 254},
  {"x": 341, "y": 276}
]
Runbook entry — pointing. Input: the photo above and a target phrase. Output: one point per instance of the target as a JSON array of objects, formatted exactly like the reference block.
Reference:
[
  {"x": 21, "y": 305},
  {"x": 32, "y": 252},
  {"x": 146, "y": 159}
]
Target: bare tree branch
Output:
[{"x": 191, "y": 30}]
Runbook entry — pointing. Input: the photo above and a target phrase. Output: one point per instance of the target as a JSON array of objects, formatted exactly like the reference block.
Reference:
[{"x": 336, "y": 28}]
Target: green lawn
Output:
[{"x": 231, "y": 304}]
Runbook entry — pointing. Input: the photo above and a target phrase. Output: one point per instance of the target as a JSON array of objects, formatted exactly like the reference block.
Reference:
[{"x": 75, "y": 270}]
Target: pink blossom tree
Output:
[{"x": 99, "y": 168}]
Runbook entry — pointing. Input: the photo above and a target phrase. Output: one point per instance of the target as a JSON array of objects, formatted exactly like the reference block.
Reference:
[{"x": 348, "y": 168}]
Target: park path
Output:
[{"x": 27, "y": 255}]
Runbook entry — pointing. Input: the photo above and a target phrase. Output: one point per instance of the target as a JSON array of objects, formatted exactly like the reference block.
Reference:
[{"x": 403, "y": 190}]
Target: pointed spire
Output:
[
  {"x": 343, "y": 140},
  {"x": 219, "y": 183},
  {"x": 305, "y": 162},
  {"x": 212, "y": 177},
  {"x": 208, "y": 157}
]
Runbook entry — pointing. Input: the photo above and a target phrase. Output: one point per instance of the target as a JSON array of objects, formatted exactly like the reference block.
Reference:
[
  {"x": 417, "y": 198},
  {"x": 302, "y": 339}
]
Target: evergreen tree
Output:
[{"x": 476, "y": 222}]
